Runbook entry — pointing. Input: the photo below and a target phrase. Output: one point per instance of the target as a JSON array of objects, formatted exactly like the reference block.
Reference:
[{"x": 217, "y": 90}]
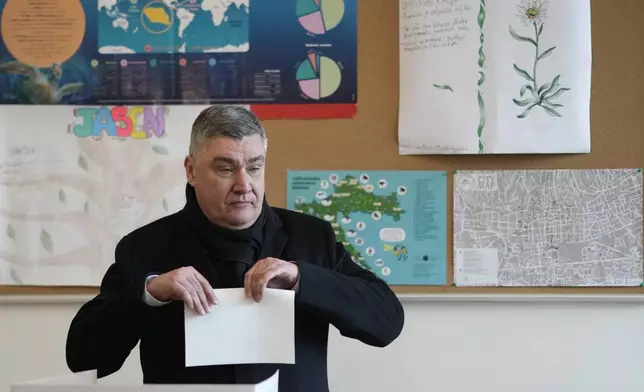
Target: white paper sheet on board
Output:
[
  {"x": 494, "y": 77},
  {"x": 566, "y": 227},
  {"x": 239, "y": 330}
]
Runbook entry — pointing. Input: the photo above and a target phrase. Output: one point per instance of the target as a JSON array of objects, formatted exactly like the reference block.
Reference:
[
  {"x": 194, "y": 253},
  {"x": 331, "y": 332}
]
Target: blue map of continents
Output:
[{"x": 171, "y": 26}]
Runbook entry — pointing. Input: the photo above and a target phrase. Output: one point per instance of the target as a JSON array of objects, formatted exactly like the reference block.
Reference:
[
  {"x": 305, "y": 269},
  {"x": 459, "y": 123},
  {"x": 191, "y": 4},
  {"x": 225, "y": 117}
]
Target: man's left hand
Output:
[{"x": 272, "y": 273}]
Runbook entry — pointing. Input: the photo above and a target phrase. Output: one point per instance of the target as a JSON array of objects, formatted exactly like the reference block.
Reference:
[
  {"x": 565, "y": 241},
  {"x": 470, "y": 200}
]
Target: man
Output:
[{"x": 228, "y": 236}]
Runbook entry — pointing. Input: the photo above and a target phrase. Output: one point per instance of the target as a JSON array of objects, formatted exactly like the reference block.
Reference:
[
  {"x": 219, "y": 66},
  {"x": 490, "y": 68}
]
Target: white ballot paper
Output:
[
  {"x": 239, "y": 330},
  {"x": 82, "y": 378},
  {"x": 86, "y": 382}
]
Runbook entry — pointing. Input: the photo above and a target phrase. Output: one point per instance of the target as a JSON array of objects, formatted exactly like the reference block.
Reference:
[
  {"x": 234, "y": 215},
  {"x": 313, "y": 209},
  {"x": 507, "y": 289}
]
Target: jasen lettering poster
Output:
[
  {"x": 494, "y": 77},
  {"x": 75, "y": 180}
]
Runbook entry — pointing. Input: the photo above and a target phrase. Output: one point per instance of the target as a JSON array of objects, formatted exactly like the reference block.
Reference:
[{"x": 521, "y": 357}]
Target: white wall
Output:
[{"x": 446, "y": 346}]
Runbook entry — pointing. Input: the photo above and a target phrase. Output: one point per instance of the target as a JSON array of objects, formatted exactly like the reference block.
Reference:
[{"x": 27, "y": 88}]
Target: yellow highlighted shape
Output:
[{"x": 157, "y": 15}]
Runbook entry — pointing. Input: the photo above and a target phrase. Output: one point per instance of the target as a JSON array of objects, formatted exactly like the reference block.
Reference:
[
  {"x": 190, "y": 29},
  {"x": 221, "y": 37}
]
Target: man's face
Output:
[{"x": 228, "y": 177}]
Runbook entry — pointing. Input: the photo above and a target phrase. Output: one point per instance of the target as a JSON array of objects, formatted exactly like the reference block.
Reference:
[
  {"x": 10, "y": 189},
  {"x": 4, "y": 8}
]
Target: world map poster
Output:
[
  {"x": 282, "y": 58},
  {"x": 392, "y": 223}
]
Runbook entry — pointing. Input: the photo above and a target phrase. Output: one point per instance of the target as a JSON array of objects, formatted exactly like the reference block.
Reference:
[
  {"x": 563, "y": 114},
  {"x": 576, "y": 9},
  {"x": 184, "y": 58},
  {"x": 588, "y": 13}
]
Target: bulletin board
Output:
[{"x": 617, "y": 102}]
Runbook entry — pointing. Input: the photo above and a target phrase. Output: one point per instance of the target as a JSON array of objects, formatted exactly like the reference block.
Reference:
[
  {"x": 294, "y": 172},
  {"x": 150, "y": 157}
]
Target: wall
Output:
[{"x": 446, "y": 346}]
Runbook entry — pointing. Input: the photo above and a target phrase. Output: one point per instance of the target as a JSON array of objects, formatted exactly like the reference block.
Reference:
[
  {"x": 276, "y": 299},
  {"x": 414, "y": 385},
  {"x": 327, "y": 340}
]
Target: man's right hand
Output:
[{"x": 184, "y": 284}]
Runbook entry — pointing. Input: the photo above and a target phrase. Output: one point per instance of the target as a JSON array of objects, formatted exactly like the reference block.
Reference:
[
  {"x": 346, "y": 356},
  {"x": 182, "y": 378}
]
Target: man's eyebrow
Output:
[
  {"x": 257, "y": 159},
  {"x": 227, "y": 160},
  {"x": 231, "y": 161}
]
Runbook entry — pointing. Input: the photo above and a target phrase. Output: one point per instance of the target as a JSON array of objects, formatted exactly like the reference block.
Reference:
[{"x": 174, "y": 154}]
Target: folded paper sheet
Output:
[
  {"x": 86, "y": 382},
  {"x": 239, "y": 330}
]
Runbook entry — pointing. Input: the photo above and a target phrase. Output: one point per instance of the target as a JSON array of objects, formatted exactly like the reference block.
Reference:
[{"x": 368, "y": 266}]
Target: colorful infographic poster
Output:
[
  {"x": 283, "y": 58},
  {"x": 391, "y": 222}
]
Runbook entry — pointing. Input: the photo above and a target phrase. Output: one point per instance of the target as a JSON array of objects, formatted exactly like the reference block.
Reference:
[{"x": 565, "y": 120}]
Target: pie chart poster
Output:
[{"x": 283, "y": 58}]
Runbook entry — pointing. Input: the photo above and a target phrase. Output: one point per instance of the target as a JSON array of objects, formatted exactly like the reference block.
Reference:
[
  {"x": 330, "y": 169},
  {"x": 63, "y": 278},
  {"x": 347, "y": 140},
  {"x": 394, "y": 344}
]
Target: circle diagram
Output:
[
  {"x": 157, "y": 17},
  {"x": 34, "y": 34},
  {"x": 319, "y": 16},
  {"x": 318, "y": 76}
]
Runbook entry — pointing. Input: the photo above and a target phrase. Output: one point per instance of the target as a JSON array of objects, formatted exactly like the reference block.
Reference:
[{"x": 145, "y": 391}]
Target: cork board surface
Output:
[{"x": 617, "y": 133}]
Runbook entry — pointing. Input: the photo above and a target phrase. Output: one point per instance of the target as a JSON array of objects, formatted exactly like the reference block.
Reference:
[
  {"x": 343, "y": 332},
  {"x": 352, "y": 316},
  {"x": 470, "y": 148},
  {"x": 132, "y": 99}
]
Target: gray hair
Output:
[{"x": 229, "y": 121}]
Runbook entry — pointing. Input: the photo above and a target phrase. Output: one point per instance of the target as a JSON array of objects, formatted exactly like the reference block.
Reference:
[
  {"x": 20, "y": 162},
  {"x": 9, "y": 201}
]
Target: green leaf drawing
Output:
[
  {"x": 546, "y": 53},
  {"x": 521, "y": 38},
  {"x": 523, "y": 73},
  {"x": 481, "y": 78},
  {"x": 15, "y": 277},
  {"x": 161, "y": 150},
  {"x": 62, "y": 197},
  {"x": 82, "y": 162},
  {"x": 527, "y": 111},
  {"x": 482, "y": 111},
  {"x": 11, "y": 233},
  {"x": 164, "y": 204},
  {"x": 443, "y": 87},
  {"x": 481, "y": 64},
  {"x": 524, "y": 88},
  {"x": 542, "y": 95},
  {"x": 46, "y": 241},
  {"x": 86, "y": 207},
  {"x": 550, "y": 111},
  {"x": 481, "y": 57},
  {"x": 556, "y": 94},
  {"x": 481, "y": 16},
  {"x": 525, "y": 102}
]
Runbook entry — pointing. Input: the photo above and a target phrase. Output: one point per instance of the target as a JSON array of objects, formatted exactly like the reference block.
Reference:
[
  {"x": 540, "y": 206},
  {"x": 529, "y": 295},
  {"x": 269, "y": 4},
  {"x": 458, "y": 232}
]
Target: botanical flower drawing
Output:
[{"x": 533, "y": 13}]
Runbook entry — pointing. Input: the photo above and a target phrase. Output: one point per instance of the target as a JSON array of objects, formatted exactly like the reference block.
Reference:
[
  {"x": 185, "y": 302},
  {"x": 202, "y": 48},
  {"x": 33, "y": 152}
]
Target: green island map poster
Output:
[{"x": 393, "y": 223}]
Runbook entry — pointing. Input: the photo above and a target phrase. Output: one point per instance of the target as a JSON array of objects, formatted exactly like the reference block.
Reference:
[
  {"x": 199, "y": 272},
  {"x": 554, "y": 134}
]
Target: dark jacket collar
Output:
[{"x": 187, "y": 250}]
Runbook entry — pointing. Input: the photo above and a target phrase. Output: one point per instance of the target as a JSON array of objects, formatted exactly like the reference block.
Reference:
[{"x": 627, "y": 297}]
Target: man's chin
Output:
[{"x": 242, "y": 218}]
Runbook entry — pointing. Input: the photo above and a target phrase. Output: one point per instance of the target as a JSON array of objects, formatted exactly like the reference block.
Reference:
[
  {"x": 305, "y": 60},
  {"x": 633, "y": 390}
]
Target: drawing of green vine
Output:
[
  {"x": 532, "y": 12},
  {"x": 443, "y": 87},
  {"x": 481, "y": 63}
]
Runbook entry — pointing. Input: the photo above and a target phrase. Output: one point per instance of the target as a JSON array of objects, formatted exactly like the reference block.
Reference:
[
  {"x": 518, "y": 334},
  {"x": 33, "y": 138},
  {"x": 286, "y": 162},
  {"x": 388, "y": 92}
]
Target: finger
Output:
[
  {"x": 185, "y": 296},
  {"x": 207, "y": 288},
  {"x": 199, "y": 290},
  {"x": 248, "y": 280},
  {"x": 194, "y": 296},
  {"x": 256, "y": 273},
  {"x": 260, "y": 281}
]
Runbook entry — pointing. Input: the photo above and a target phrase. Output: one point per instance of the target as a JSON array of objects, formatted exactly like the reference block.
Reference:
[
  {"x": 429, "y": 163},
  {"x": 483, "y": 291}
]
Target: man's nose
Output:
[{"x": 242, "y": 182}]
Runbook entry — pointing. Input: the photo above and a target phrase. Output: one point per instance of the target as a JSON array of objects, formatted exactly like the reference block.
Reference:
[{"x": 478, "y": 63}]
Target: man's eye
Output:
[
  {"x": 254, "y": 169},
  {"x": 225, "y": 169}
]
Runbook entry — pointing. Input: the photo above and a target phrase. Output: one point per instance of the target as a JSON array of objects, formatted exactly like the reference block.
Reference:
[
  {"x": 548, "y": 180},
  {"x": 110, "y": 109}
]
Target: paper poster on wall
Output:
[
  {"x": 75, "y": 180},
  {"x": 494, "y": 77},
  {"x": 390, "y": 222},
  {"x": 283, "y": 58},
  {"x": 579, "y": 227}
]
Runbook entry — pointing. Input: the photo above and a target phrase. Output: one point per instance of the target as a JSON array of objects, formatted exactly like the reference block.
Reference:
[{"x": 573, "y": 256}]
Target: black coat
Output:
[{"x": 333, "y": 290}]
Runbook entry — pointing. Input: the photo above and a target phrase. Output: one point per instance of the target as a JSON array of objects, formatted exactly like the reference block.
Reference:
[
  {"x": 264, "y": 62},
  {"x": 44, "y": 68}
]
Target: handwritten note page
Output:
[
  {"x": 494, "y": 76},
  {"x": 239, "y": 330}
]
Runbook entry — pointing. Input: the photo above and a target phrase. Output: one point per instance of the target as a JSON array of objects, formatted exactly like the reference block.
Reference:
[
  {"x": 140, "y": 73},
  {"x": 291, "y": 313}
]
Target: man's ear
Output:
[{"x": 188, "y": 164}]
